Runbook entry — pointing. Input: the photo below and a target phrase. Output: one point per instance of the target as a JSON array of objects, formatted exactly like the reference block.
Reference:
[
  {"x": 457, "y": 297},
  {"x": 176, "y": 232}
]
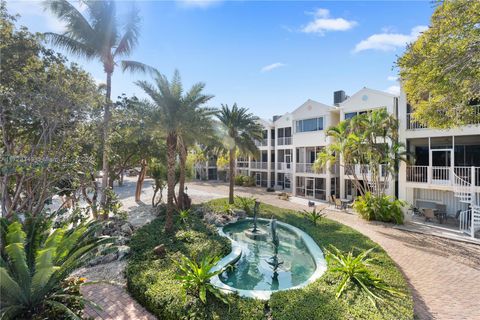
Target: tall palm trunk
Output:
[
  {"x": 106, "y": 122},
  {"x": 171, "y": 148},
  {"x": 181, "y": 182},
  {"x": 231, "y": 175}
]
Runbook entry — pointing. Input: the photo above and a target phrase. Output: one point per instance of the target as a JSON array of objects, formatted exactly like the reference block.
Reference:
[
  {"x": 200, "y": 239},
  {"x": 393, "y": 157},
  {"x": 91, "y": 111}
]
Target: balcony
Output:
[
  {"x": 412, "y": 124},
  {"x": 364, "y": 170},
  {"x": 261, "y": 143},
  {"x": 258, "y": 165},
  {"x": 307, "y": 168},
  {"x": 284, "y": 141},
  {"x": 442, "y": 176},
  {"x": 242, "y": 164},
  {"x": 284, "y": 166}
]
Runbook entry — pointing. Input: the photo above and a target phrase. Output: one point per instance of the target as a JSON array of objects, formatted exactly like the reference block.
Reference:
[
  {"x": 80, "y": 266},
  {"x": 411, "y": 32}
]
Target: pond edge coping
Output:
[{"x": 236, "y": 253}]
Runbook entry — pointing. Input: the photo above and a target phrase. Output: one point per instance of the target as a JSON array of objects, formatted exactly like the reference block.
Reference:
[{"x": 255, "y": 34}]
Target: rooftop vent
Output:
[
  {"x": 275, "y": 118},
  {"x": 338, "y": 97}
]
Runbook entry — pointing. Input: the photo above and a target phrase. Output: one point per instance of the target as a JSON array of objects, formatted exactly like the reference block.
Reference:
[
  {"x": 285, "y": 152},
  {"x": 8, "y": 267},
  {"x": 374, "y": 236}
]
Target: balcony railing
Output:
[
  {"x": 307, "y": 168},
  {"x": 365, "y": 170},
  {"x": 443, "y": 175},
  {"x": 261, "y": 143},
  {"x": 284, "y": 166},
  {"x": 284, "y": 141},
  {"x": 473, "y": 118},
  {"x": 258, "y": 165},
  {"x": 242, "y": 164}
]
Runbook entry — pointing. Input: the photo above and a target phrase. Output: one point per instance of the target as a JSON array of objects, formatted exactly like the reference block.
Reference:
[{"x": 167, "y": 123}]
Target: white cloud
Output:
[
  {"x": 323, "y": 22},
  {"x": 272, "y": 66},
  {"x": 393, "y": 90},
  {"x": 392, "y": 78},
  {"x": 198, "y": 3},
  {"x": 389, "y": 41}
]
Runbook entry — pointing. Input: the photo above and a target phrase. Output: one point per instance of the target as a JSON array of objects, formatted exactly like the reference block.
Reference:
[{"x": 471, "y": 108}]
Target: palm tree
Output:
[
  {"x": 98, "y": 35},
  {"x": 242, "y": 129},
  {"x": 174, "y": 110}
]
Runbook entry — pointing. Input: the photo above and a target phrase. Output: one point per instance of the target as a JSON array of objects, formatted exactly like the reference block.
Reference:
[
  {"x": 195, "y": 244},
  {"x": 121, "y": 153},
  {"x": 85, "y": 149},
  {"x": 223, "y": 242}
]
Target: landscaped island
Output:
[{"x": 152, "y": 279}]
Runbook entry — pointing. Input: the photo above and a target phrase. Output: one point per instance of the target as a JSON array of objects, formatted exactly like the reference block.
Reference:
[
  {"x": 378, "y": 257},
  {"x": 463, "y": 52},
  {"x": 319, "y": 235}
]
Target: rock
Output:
[
  {"x": 126, "y": 229},
  {"x": 123, "y": 251},
  {"x": 109, "y": 257},
  {"x": 160, "y": 251}
]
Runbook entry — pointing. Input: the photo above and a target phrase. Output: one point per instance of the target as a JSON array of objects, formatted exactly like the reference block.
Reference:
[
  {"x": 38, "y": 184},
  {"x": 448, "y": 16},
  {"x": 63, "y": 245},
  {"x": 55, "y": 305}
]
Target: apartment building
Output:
[{"x": 444, "y": 167}]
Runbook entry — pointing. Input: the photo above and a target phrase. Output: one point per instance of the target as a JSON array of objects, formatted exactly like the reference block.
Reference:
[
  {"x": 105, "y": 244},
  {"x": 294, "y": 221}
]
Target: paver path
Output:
[{"x": 444, "y": 275}]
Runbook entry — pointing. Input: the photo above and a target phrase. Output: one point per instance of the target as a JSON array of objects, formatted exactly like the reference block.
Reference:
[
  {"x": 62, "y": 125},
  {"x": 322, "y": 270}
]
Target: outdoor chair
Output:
[
  {"x": 338, "y": 204},
  {"x": 429, "y": 214},
  {"x": 441, "y": 212}
]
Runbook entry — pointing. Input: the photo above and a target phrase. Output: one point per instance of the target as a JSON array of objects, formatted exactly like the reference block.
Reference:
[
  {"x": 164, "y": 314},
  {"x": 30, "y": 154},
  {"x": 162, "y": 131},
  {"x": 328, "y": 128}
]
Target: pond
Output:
[{"x": 251, "y": 274}]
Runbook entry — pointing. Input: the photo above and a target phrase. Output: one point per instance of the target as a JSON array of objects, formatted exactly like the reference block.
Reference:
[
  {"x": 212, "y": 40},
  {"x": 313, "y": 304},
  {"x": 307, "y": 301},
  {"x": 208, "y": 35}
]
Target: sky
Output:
[{"x": 268, "y": 56}]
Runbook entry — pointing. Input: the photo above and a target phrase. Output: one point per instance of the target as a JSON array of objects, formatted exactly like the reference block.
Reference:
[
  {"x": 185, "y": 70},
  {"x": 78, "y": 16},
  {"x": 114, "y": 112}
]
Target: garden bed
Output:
[{"x": 151, "y": 280}]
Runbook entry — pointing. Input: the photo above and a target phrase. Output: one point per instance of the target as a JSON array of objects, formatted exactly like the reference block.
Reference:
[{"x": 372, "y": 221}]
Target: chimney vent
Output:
[{"x": 338, "y": 97}]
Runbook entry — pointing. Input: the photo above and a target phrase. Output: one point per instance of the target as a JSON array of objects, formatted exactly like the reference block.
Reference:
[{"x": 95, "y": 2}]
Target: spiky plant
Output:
[
  {"x": 184, "y": 215},
  {"x": 355, "y": 270},
  {"x": 314, "y": 215},
  {"x": 245, "y": 203},
  {"x": 36, "y": 261},
  {"x": 195, "y": 277}
]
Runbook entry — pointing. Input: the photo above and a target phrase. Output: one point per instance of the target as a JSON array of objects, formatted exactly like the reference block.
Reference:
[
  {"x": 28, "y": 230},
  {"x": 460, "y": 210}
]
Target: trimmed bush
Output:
[
  {"x": 238, "y": 180},
  {"x": 152, "y": 280},
  {"x": 248, "y": 181},
  {"x": 380, "y": 208}
]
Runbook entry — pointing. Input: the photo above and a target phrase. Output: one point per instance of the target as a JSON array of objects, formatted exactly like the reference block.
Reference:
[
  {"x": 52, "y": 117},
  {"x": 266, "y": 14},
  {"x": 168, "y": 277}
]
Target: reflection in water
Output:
[{"x": 253, "y": 272}]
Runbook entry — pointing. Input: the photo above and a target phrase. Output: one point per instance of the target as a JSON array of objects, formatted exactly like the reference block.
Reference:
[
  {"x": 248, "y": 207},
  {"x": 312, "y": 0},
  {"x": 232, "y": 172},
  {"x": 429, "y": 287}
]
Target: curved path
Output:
[{"x": 444, "y": 275}]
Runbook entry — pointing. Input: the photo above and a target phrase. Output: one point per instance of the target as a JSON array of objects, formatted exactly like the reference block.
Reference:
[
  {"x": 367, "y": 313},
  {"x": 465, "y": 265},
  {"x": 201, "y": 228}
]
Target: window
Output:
[
  {"x": 350, "y": 115},
  {"x": 307, "y": 125}
]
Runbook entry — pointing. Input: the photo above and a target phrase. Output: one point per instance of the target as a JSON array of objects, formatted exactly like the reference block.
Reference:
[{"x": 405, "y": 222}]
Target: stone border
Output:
[{"x": 236, "y": 253}]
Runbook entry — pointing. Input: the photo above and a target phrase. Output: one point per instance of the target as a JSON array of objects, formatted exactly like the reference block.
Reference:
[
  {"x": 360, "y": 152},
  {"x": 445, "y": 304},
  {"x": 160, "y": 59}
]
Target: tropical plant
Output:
[
  {"x": 381, "y": 208},
  {"x": 228, "y": 208},
  {"x": 241, "y": 129},
  {"x": 158, "y": 172},
  {"x": 248, "y": 181},
  {"x": 245, "y": 203},
  {"x": 355, "y": 270},
  {"x": 98, "y": 35},
  {"x": 238, "y": 180},
  {"x": 113, "y": 206},
  {"x": 173, "y": 110},
  {"x": 440, "y": 71},
  {"x": 314, "y": 215},
  {"x": 184, "y": 215},
  {"x": 36, "y": 261},
  {"x": 195, "y": 277}
]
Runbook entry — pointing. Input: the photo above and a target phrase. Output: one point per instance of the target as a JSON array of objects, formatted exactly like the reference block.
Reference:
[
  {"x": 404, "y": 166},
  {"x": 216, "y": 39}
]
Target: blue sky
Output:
[{"x": 265, "y": 55}]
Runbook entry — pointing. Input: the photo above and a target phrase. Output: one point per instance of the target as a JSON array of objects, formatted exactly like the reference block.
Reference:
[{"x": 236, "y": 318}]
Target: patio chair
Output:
[
  {"x": 338, "y": 204},
  {"x": 441, "y": 212},
  {"x": 429, "y": 214}
]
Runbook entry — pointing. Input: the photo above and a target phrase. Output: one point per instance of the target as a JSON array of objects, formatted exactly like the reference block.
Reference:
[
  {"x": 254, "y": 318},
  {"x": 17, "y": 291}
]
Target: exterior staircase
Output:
[{"x": 465, "y": 192}]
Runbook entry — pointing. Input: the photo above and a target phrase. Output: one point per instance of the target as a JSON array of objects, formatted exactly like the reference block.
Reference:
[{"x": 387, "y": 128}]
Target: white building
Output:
[{"x": 444, "y": 169}]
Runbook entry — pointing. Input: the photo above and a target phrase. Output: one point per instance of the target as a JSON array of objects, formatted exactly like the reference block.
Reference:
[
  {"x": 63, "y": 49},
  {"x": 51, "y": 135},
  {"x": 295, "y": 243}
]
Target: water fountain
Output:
[{"x": 255, "y": 233}]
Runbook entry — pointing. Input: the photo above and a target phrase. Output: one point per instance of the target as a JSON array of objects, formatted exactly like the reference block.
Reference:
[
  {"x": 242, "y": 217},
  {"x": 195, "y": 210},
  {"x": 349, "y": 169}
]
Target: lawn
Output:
[{"x": 152, "y": 282}]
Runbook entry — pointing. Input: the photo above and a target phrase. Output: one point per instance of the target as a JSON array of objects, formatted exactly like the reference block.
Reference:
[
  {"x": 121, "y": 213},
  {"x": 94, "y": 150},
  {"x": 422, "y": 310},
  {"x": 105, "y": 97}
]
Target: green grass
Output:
[{"x": 151, "y": 280}]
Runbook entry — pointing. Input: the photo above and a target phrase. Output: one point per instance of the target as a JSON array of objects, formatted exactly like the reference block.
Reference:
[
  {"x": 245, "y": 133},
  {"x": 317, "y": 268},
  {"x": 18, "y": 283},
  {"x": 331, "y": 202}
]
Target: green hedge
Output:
[{"x": 151, "y": 280}]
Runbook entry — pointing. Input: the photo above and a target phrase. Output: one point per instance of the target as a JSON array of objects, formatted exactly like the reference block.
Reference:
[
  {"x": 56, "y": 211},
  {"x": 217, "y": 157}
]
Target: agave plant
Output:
[
  {"x": 355, "y": 270},
  {"x": 195, "y": 277},
  {"x": 315, "y": 215},
  {"x": 35, "y": 263},
  {"x": 245, "y": 203}
]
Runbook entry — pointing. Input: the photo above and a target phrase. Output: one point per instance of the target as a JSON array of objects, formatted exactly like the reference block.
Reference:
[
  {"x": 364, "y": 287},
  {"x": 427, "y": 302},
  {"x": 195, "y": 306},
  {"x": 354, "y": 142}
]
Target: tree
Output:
[
  {"x": 45, "y": 101},
  {"x": 97, "y": 35},
  {"x": 171, "y": 108},
  {"x": 440, "y": 71},
  {"x": 241, "y": 130},
  {"x": 370, "y": 141}
]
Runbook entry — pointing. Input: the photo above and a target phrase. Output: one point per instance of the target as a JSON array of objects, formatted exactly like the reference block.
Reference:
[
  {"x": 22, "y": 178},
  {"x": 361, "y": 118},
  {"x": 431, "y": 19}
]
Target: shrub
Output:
[
  {"x": 239, "y": 180},
  {"x": 355, "y": 270},
  {"x": 184, "y": 215},
  {"x": 195, "y": 277},
  {"x": 38, "y": 260},
  {"x": 380, "y": 208},
  {"x": 314, "y": 216},
  {"x": 245, "y": 203},
  {"x": 248, "y": 181}
]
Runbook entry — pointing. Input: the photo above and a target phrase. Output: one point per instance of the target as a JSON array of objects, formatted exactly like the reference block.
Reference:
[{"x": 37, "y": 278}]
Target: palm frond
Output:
[
  {"x": 131, "y": 33},
  {"x": 70, "y": 45},
  {"x": 138, "y": 67}
]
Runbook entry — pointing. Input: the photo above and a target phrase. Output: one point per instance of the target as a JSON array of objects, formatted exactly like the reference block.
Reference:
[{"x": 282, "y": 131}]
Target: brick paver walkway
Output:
[{"x": 444, "y": 275}]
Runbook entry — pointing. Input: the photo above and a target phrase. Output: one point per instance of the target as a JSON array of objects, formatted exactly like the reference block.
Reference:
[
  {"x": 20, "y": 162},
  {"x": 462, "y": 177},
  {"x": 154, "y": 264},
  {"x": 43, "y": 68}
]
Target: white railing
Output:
[
  {"x": 242, "y": 164},
  {"x": 308, "y": 168},
  {"x": 365, "y": 170},
  {"x": 284, "y": 166},
  {"x": 417, "y": 174},
  {"x": 258, "y": 165},
  {"x": 261, "y": 143},
  {"x": 282, "y": 141},
  {"x": 441, "y": 175},
  {"x": 444, "y": 175},
  {"x": 473, "y": 118},
  {"x": 464, "y": 220}
]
